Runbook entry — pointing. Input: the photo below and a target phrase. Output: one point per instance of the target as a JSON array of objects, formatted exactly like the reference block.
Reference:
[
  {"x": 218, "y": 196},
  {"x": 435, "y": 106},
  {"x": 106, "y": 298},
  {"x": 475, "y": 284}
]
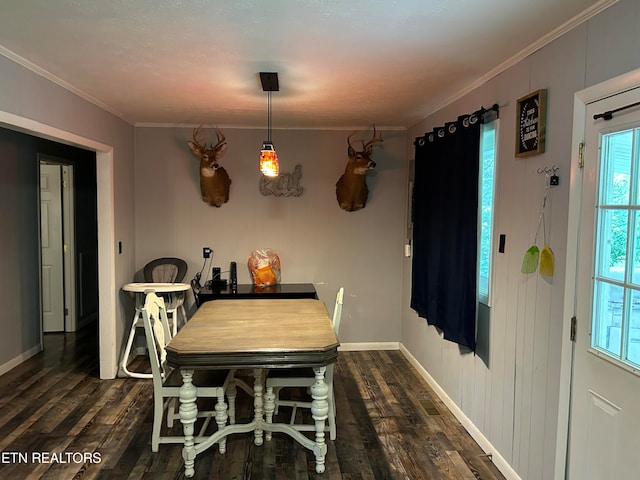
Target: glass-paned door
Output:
[{"x": 604, "y": 431}]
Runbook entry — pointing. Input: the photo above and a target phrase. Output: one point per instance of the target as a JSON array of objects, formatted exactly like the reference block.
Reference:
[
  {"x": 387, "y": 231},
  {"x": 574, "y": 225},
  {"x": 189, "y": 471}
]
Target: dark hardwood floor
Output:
[{"x": 58, "y": 420}]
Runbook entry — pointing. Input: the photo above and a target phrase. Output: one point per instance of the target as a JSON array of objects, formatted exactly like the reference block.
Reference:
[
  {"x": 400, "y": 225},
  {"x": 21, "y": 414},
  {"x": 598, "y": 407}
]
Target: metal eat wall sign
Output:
[{"x": 284, "y": 185}]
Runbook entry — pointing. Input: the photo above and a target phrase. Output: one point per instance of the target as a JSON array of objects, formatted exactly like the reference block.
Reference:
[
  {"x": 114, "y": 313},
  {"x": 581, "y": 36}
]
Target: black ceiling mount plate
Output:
[{"x": 269, "y": 81}]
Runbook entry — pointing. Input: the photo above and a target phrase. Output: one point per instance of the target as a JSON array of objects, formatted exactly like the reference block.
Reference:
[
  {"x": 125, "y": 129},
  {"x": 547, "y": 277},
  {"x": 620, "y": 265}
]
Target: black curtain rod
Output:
[
  {"x": 486, "y": 113},
  {"x": 494, "y": 108},
  {"x": 608, "y": 115}
]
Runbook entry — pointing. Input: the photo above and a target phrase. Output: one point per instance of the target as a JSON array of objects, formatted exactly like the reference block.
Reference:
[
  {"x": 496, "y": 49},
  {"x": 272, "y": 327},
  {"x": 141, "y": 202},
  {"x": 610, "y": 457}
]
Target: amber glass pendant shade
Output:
[{"x": 269, "y": 160}]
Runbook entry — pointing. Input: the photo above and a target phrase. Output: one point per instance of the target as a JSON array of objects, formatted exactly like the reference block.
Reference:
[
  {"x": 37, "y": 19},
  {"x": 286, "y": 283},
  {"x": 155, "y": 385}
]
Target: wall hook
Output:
[{"x": 550, "y": 172}]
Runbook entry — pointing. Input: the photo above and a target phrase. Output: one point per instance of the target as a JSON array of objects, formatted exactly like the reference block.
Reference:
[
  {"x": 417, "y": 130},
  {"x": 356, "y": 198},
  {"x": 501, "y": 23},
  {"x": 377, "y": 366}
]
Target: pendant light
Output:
[{"x": 268, "y": 158}]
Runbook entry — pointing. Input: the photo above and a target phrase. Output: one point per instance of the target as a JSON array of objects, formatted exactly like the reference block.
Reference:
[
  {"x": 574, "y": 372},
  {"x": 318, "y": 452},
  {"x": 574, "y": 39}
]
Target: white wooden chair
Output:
[
  {"x": 278, "y": 379},
  {"x": 167, "y": 382}
]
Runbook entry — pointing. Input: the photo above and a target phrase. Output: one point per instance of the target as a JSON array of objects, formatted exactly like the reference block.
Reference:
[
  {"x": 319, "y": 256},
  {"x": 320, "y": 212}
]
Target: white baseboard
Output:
[
  {"x": 476, "y": 434},
  {"x": 24, "y": 356},
  {"x": 355, "y": 347}
]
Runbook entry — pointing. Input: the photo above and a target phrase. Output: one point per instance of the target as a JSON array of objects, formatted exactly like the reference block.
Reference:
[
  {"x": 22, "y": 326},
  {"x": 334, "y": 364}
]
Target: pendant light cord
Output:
[{"x": 269, "y": 116}]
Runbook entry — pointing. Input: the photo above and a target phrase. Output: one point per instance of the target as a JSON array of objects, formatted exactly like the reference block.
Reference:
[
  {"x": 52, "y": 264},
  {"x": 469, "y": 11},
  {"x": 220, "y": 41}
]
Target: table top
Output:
[
  {"x": 274, "y": 333},
  {"x": 157, "y": 287}
]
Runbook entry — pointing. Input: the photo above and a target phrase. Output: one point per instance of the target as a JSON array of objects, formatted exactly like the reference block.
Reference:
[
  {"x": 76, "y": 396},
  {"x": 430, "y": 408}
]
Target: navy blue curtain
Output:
[{"x": 445, "y": 228}]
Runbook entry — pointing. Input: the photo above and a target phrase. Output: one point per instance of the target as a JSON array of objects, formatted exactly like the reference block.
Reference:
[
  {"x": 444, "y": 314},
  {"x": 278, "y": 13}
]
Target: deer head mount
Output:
[
  {"x": 214, "y": 179},
  {"x": 351, "y": 187}
]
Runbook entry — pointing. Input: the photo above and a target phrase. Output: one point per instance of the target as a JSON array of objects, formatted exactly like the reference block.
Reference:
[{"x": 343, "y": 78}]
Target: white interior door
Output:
[
  {"x": 605, "y": 400},
  {"x": 51, "y": 248}
]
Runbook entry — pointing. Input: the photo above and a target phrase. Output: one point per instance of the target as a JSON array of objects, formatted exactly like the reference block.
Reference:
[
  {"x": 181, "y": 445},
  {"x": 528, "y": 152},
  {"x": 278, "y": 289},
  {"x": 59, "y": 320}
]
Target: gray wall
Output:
[
  {"x": 19, "y": 247},
  {"x": 513, "y": 398},
  {"x": 37, "y": 105},
  {"x": 316, "y": 241}
]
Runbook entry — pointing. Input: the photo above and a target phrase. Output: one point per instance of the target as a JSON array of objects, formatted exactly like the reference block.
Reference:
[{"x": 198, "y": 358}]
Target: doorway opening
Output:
[
  {"x": 107, "y": 294},
  {"x": 68, "y": 239}
]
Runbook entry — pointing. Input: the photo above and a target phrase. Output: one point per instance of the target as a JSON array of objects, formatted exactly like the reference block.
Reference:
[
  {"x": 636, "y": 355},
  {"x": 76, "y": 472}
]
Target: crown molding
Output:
[{"x": 521, "y": 55}]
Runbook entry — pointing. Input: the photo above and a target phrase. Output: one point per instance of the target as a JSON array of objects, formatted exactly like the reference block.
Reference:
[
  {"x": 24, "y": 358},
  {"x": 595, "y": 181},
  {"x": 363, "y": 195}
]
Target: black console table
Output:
[{"x": 245, "y": 291}]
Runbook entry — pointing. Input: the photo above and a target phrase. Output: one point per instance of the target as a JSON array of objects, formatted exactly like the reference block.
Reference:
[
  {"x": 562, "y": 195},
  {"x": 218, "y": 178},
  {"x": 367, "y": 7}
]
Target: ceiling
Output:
[{"x": 340, "y": 63}]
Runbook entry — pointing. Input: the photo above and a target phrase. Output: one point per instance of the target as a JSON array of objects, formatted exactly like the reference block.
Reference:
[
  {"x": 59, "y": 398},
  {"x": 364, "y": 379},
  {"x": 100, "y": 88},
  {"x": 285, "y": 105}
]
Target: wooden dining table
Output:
[{"x": 259, "y": 335}]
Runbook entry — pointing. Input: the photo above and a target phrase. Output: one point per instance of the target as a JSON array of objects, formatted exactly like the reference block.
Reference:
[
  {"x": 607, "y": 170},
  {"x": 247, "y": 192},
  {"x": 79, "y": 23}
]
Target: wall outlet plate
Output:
[{"x": 206, "y": 252}]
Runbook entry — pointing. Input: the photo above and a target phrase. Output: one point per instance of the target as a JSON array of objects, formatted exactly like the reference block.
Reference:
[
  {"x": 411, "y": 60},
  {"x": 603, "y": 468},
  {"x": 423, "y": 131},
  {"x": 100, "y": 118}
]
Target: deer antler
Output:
[
  {"x": 373, "y": 140},
  {"x": 221, "y": 139},
  {"x": 203, "y": 147},
  {"x": 195, "y": 143},
  {"x": 355, "y": 132}
]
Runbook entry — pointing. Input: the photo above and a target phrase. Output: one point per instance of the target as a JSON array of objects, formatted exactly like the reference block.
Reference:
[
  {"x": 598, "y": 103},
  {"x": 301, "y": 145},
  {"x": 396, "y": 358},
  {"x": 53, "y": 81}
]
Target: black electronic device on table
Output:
[
  {"x": 215, "y": 273},
  {"x": 233, "y": 276},
  {"x": 216, "y": 282}
]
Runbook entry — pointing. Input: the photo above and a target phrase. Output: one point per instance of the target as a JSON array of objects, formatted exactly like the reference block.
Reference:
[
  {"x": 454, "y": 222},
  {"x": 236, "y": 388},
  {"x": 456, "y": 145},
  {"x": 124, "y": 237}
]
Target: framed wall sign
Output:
[{"x": 530, "y": 123}]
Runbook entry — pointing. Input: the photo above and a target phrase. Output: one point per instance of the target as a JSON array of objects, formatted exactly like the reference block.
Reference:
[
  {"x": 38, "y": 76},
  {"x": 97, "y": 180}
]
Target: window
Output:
[
  {"x": 615, "y": 327},
  {"x": 486, "y": 183}
]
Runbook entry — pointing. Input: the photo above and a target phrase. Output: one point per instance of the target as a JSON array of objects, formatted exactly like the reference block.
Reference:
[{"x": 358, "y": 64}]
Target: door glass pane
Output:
[
  {"x": 608, "y": 317},
  {"x": 616, "y": 168},
  {"x": 633, "y": 339},
  {"x": 612, "y": 244},
  {"x": 635, "y": 274}
]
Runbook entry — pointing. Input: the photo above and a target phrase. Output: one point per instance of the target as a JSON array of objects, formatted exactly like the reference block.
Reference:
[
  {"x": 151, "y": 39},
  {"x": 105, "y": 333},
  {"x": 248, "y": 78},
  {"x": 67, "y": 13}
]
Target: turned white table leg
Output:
[
  {"x": 221, "y": 420},
  {"x": 269, "y": 407},
  {"x": 258, "y": 386},
  {"x": 320, "y": 412},
  {"x": 188, "y": 415}
]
